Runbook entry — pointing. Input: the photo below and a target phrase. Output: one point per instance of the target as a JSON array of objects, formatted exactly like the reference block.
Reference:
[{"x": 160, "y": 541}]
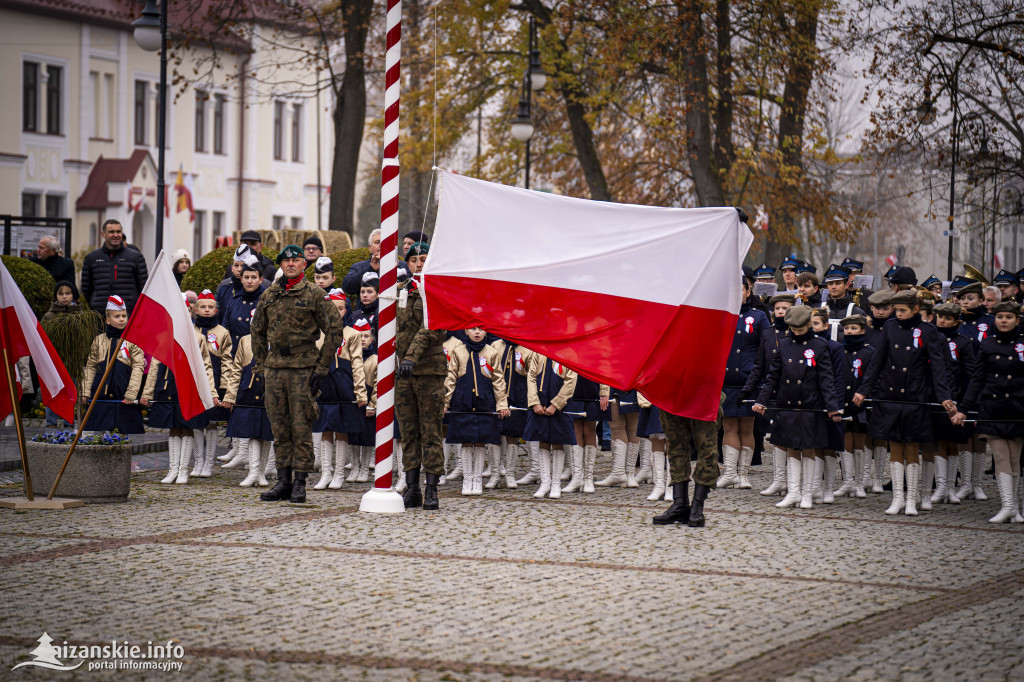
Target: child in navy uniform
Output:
[
  {"x": 802, "y": 383},
  {"x": 550, "y": 385},
  {"x": 515, "y": 366},
  {"x": 475, "y": 398},
  {"x": 855, "y": 459},
  {"x": 822, "y": 329},
  {"x": 116, "y": 406},
  {"x": 243, "y": 395},
  {"x": 953, "y": 440},
  {"x": 216, "y": 341}
]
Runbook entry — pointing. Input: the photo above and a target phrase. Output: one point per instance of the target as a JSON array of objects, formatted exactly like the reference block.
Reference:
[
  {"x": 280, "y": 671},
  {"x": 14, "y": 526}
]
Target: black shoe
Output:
[
  {"x": 298, "y": 495},
  {"x": 679, "y": 512},
  {"x": 700, "y": 493},
  {"x": 412, "y": 496},
  {"x": 430, "y": 492},
  {"x": 282, "y": 490}
]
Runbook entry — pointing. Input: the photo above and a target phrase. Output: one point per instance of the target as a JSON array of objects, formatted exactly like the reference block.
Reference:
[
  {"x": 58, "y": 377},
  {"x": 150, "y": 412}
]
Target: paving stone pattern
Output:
[{"x": 504, "y": 587}]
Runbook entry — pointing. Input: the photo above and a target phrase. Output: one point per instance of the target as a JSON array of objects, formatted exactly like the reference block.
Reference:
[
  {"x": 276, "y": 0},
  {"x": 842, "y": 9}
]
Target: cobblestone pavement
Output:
[{"x": 504, "y": 587}]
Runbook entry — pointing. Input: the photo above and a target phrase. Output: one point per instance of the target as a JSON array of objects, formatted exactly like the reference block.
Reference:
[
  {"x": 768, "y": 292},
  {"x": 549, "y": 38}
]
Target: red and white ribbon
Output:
[
  {"x": 982, "y": 331},
  {"x": 953, "y": 350},
  {"x": 1019, "y": 348},
  {"x": 749, "y": 322},
  {"x": 485, "y": 367},
  {"x": 857, "y": 368},
  {"x": 917, "y": 337},
  {"x": 809, "y": 355}
]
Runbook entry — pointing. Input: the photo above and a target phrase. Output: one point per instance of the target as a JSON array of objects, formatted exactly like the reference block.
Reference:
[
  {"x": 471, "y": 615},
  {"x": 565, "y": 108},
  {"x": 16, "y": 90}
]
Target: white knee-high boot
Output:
[
  {"x": 544, "y": 462},
  {"x": 809, "y": 467},
  {"x": 589, "y": 455},
  {"x": 240, "y": 459},
  {"x": 199, "y": 450},
  {"x": 326, "y": 465},
  {"x": 846, "y": 461},
  {"x": 453, "y": 450},
  {"x": 881, "y": 459},
  {"x": 576, "y": 483},
  {"x": 340, "y": 457},
  {"x": 980, "y": 459},
  {"x": 941, "y": 493},
  {"x": 632, "y": 452},
  {"x": 1007, "y": 509},
  {"x": 510, "y": 453},
  {"x": 252, "y": 447},
  {"x": 557, "y": 464},
  {"x": 927, "y": 474},
  {"x": 646, "y": 473},
  {"x": 658, "y": 468},
  {"x": 211, "y": 451},
  {"x": 494, "y": 458},
  {"x": 399, "y": 471},
  {"x": 730, "y": 461},
  {"x": 174, "y": 458},
  {"x": 743, "y": 470},
  {"x": 266, "y": 455},
  {"x": 858, "y": 466},
  {"x": 966, "y": 490},
  {"x": 913, "y": 473},
  {"x": 794, "y": 469},
  {"x": 617, "y": 476},
  {"x": 778, "y": 486},
  {"x": 230, "y": 454},
  {"x": 819, "y": 473},
  {"x": 479, "y": 462},
  {"x": 952, "y": 463},
  {"x": 317, "y": 452},
  {"x": 188, "y": 444},
  {"x": 899, "y": 500},
  {"x": 533, "y": 475},
  {"x": 827, "y": 496}
]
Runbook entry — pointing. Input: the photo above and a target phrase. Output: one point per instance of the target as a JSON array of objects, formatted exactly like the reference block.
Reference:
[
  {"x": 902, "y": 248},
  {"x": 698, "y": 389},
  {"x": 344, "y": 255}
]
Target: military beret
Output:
[
  {"x": 973, "y": 288},
  {"x": 782, "y": 298},
  {"x": 906, "y": 297},
  {"x": 1005, "y": 307},
  {"x": 855, "y": 319},
  {"x": 290, "y": 251},
  {"x": 798, "y": 316},
  {"x": 949, "y": 309},
  {"x": 417, "y": 249},
  {"x": 880, "y": 298},
  {"x": 904, "y": 275}
]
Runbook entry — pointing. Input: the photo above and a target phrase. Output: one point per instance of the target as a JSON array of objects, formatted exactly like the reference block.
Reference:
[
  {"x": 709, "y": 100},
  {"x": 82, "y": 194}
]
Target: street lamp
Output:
[
  {"x": 151, "y": 35},
  {"x": 535, "y": 78}
]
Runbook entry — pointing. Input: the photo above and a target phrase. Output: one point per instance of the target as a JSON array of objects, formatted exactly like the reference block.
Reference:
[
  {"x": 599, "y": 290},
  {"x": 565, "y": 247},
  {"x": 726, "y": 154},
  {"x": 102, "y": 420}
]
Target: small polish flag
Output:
[
  {"x": 891, "y": 259},
  {"x": 161, "y": 326},
  {"x": 21, "y": 334},
  {"x": 631, "y": 296},
  {"x": 997, "y": 260}
]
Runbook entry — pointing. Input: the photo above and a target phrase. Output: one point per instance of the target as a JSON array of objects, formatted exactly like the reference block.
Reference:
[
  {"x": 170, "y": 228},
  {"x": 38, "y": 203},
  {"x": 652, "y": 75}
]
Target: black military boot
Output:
[
  {"x": 283, "y": 489},
  {"x": 679, "y": 512},
  {"x": 700, "y": 493},
  {"x": 412, "y": 496},
  {"x": 430, "y": 492},
  {"x": 299, "y": 488}
]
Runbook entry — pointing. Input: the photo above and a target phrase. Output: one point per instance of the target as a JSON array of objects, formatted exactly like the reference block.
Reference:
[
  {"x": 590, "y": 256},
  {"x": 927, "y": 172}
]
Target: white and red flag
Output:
[
  {"x": 631, "y": 296},
  {"x": 21, "y": 334},
  {"x": 160, "y": 325}
]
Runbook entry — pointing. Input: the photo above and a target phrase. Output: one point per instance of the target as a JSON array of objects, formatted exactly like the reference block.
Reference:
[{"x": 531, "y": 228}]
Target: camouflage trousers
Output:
[
  {"x": 678, "y": 433},
  {"x": 292, "y": 412},
  {"x": 419, "y": 406}
]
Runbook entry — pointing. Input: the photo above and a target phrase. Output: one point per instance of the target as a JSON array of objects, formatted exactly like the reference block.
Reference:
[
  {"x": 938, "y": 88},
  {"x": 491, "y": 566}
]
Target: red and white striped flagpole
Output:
[{"x": 382, "y": 498}]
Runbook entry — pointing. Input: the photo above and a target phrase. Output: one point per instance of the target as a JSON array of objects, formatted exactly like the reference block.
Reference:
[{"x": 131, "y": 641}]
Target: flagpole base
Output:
[
  {"x": 382, "y": 501},
  {"x": 41, "y": 503}
]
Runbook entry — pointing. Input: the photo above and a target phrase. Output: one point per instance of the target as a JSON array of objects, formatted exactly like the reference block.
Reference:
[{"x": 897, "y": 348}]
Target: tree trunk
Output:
[
  {"x": 694, "y": 75},
  {"x": 802, "y": 60},
  {"x": 349, "y": 117},
  {"x": 724, "y": 150}
]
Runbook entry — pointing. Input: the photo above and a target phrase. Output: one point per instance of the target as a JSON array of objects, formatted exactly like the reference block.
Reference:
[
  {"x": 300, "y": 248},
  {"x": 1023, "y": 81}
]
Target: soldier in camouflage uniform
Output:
[
  {"x": 419, "y": 390},
  {"x": 678, "y": 433},
  {"x": 285, "y": 328}
]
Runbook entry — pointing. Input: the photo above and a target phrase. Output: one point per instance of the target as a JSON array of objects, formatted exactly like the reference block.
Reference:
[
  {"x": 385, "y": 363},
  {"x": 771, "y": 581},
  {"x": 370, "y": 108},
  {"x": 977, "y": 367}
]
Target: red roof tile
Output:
[{"x": 105, "y": 171}]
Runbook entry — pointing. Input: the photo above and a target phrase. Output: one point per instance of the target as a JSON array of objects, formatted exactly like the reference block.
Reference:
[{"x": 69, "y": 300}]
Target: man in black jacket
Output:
[
  {"x": 112, "y": 270},
  {"x": 62, "y": 269}
]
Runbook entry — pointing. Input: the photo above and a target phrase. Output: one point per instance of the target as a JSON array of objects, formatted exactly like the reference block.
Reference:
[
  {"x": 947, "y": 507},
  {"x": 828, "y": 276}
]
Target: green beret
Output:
[
  {"x": 855, "y": 319},
  {"x": 417, "y": 249},
  {"x": 798, "y": 316},
  {"x": 975, "y": 288},
  {"x": 880, "y": 298},
  {"x": 949, "y": 309},
  {"x": 290, "y": 251},
  {"x": 1005, "y": 307},
  {"x": 906, "y": 297},
  {"x": 782, "y": 298}
]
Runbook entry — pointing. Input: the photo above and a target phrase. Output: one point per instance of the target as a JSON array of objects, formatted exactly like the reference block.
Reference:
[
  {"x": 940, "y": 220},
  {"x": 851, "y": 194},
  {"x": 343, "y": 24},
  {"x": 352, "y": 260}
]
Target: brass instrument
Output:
[{"x": 975, "y": 274}]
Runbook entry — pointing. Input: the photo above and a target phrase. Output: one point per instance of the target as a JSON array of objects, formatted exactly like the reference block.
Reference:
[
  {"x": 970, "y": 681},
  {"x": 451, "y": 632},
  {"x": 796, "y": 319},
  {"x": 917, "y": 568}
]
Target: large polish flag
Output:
[
  {"x": 160, "y": 325},
  {"x": 21, "y": 334},
  {"x": 631, "y": 296}
]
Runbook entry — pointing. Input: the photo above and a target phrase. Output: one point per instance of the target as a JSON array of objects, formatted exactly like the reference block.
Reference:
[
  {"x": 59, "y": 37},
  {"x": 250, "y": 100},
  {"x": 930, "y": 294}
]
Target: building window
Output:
[
  {"x": 201, "y": 97},
  {"x": 97, "y": 103},
  {"x": 279, "y": 130},
  {"x": 296, "y": 132},
  {"x": 218, "y": 124},
  {"x": 296, "y": 223},
  {"x": 278, "y": 222},
  {"x": 30, "y": 97},
  {"x": 218, "y": 223},
  {"x": 141, "y": 96},
  {"x": 111, "y": 108},
  {"x": 30, "y": 203},
  {"x": 197, "y": 234},
  {"x": 54, "y": 205},
  {"x": 54, "y": 98}
]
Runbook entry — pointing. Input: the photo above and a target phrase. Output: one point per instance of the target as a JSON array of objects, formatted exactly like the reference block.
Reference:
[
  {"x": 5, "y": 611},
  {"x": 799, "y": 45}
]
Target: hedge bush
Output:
[
  {"x": 35, "y": 282},
  {"x": 343, "y": 260},
  {"x": 208, "y": 271}
]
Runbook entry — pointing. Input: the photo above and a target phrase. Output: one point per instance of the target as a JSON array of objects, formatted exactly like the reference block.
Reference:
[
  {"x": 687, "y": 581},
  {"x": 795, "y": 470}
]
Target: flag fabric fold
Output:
[
  {"x": 632, "y": 296},
  {"x": 22, "y": 335},
  {"x": 183, "y": 186},
  {"x": 160, "y": 325}
]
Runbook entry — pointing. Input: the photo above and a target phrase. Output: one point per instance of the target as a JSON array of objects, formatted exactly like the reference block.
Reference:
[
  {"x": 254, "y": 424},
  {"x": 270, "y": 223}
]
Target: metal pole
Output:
[
  {"x": 9, "y": 368},
  {"x": 528, "y": 86},
  {"x": 952, "y": 180},
  {"x": 995, "y": 223},
  {"x": 161, "y": 133},
  {"x": 319, "y": 204}
]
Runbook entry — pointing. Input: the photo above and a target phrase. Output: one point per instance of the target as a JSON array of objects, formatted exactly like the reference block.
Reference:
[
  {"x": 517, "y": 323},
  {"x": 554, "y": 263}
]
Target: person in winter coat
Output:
[
  {"x": 549, "y": 387},
  {"x": 245, "y": 396},
  {"x": 856, "y": 460},
  {"x": 48, "y": 257},
  {"x": 515, "y": 366},
  {"x": 475, "y": 399},
  {"x": 996, "y": 390},
  {"x": 241, "y": 304},
  {"x": 113, "y": 270},
  {"x": 116, "y": 405},
  {"x": 907, "y": 375},
  {"x": 215, "y": 341},
  {"x": 826, "y": 463},
  {"x": 180, "y": 264}
]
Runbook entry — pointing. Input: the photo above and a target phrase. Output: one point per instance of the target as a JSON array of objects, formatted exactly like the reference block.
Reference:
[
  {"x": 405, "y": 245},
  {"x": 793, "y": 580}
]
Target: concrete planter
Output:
[{"x": 95, "y": 474}]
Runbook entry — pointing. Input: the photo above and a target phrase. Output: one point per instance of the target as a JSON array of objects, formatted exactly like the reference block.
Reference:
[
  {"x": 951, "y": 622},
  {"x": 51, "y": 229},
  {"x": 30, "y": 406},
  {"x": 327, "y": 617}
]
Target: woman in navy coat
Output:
[{"x": 908, "y": 376}]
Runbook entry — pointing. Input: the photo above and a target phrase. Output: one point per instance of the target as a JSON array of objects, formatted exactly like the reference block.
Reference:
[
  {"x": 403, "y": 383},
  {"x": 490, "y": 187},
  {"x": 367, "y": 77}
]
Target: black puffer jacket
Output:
[
  {"x": 106, "y": 273},
  {"x": 59, "y": 267}
]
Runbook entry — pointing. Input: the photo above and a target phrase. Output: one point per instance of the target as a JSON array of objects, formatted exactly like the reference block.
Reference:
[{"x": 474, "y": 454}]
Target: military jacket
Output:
[
  {"x": 414, "y": 342},
  {"x": 287, "y": 325}
]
